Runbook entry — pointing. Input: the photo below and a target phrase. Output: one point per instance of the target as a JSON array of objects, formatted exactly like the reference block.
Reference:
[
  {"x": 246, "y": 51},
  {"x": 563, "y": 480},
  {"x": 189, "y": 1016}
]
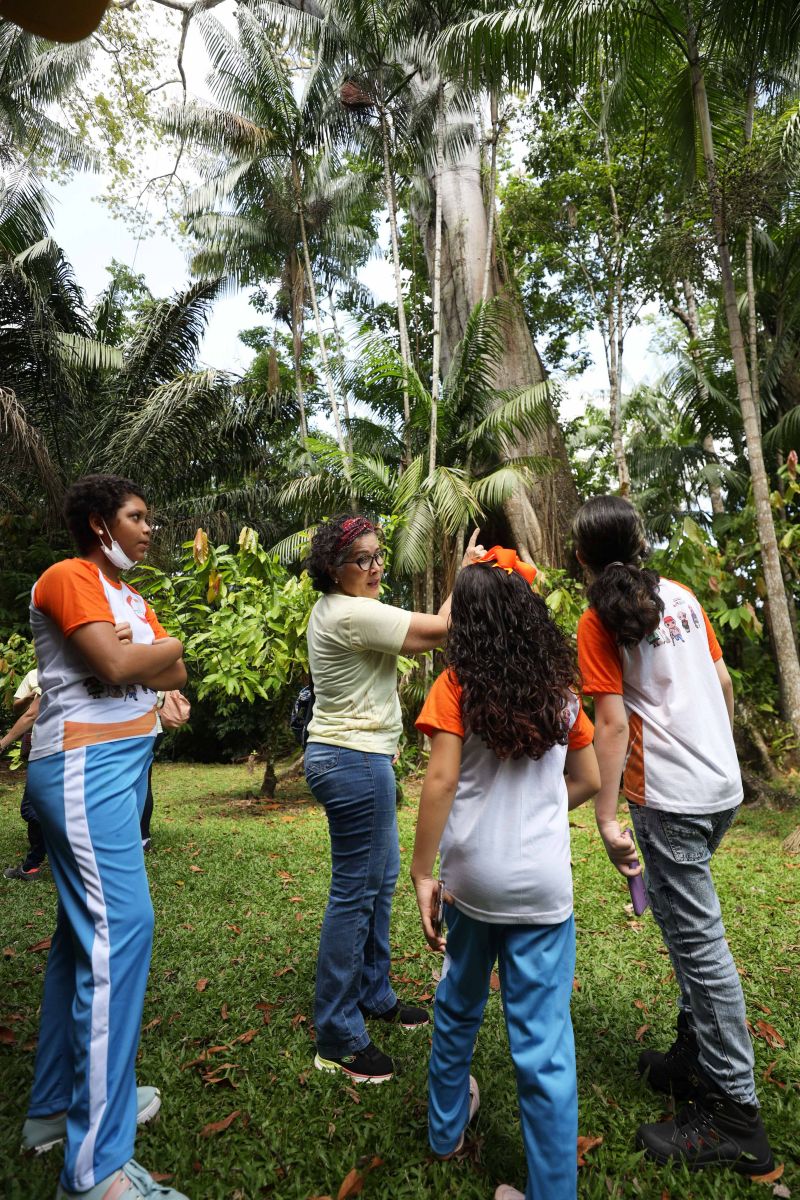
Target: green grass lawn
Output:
[{"x": 239, "y": 890}]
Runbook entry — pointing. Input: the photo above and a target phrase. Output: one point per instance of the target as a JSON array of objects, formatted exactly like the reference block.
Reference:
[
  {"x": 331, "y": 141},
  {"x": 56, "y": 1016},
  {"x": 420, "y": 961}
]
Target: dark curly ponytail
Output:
[
  {"x": 609, "y": 537},
  {"x": 515, "y": 667}
]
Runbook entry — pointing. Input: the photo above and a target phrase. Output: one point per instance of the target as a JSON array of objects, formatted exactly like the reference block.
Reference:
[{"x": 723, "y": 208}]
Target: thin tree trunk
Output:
[
  {"x": 492, "y": 199},
  {"x": 323, "y": 349},
  {"x": 402, "y": 327},
  {"x": 437, "y": 283},
  {"x": 788, "y": 664},
  {"x": 616, "y": 329},
  {"x": 615, "y": 396},
  {"x": 337, "y": 336},
  {"x": 297, "y": 280},
  {"x": 691, "y": 320}
]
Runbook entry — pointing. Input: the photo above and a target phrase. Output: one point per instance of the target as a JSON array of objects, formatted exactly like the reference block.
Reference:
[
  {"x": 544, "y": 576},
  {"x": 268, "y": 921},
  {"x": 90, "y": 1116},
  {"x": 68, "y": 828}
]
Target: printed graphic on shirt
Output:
[
  {"x": 77, "y": 708},
  {"x": 672, "y": 628}
]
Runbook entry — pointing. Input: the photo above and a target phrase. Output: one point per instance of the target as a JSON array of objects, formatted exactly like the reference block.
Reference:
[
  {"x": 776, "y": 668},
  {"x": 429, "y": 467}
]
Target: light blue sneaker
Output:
[
  {"x": 131, "y": 1182},
  {"x": 39, "y": 1136}
]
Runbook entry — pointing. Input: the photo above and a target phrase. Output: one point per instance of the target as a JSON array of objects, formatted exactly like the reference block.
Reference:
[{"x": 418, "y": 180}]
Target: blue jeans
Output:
[
  {"x": 676, "y": 849},
  {"x": 536, "y": 964},
  {"x": 358, "y": 792}
]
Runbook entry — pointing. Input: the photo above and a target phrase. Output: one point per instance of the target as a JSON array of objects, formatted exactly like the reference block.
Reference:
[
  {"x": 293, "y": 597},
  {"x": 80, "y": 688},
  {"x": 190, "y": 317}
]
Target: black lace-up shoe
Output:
[
  {"x": 369, "y": 1065},
  {"x": 715, "y": 1131},
  {"x": 407, "y": 1016},
  {"x": 678, "y": 1070}
]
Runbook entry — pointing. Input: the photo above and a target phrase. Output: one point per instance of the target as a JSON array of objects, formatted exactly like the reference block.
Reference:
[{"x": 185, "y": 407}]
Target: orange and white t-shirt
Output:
[
  {"x": 681, "y": 756},
  {"x": 77, "y": 709},
  {"x": 505, "y": 853}
]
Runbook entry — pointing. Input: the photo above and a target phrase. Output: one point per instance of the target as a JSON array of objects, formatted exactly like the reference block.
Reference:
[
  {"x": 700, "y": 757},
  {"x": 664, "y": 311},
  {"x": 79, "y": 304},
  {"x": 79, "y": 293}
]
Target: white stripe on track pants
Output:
[{"x": 88, "y": 802}]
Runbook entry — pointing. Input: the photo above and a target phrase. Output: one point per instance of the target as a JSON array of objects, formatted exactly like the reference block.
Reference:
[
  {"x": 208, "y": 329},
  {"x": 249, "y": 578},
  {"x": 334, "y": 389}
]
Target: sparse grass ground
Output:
[{"x": 239, "y": 890}]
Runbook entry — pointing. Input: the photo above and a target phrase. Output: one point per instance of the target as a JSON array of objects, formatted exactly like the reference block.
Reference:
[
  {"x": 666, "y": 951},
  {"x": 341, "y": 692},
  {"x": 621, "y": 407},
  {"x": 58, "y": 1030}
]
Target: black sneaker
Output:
[
  {"x": 369, "y": 1065},
  {"x": 20, "y": 873},
  {"x": 678, "y": 1070},
  {"x": 716, "y": 1131},
  {"x": 407, "y": 1016}
]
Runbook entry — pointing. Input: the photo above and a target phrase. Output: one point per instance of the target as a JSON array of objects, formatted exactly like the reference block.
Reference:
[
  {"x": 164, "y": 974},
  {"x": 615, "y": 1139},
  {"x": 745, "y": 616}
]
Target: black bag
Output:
[{"x": 302, "y": 712}]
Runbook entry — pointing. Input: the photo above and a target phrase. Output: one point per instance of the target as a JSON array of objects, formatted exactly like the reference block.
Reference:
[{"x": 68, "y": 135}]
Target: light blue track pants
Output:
[
  {"x": 88, "y": 802},
  {"x": 536, "y": 964}
]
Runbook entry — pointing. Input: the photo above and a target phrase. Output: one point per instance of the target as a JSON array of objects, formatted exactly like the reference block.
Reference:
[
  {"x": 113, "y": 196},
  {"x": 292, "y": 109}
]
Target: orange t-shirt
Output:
[
  {"x": 78, "y": 709},
  {"x": 681, "y": 756}
]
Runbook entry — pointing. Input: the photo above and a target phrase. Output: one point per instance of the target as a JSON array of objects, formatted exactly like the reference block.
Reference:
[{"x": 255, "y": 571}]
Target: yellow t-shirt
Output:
[{"x": 353, "y": 643}]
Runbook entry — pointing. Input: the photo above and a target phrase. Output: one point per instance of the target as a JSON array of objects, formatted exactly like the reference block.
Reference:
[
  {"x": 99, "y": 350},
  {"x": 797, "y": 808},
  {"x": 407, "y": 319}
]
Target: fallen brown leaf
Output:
[
  {"x": 44, "y": 944},
  {"x": 773, "y": 1176},
  {"x": 197, "y": 870},
  {"x": 494, "y": 981},
  {"x": 220, "y": 1126},
  {"x": 7, "y": 1036},
  {"x": 9, "y": 952},
  {"x": 770, "y": 1035},
  {"x": 768, "y": 1077},
  {"x": 585, "y": 1144},
  {"x": 201, "y": 985},
  {"x": 641, "y": 1031},
  {"x": 576, "y": 984},
  {"x": 160, "y": 1176},
  {"x": 245, "y": 1038},
  {"x": 223, "y": 1012},
  {"x": 151, "y": 1024},
  {"x": 352, "y": 1184}
]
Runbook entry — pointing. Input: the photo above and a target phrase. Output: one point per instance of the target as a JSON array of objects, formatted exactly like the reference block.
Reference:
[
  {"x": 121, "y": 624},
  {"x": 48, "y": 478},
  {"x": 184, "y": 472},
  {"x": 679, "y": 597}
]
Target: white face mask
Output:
[{"x": 115, "y": 554}]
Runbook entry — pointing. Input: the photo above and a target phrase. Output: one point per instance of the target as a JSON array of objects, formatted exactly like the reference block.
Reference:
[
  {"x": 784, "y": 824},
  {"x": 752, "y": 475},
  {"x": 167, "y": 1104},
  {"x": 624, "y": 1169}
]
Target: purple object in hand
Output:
[{"x": 636, "y": 887}]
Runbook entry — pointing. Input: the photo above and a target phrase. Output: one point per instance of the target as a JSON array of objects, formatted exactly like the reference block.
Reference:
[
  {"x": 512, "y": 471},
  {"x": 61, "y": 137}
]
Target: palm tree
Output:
[
  {"x": 34, "y": 76},
  {"x": 287, "y": 203},
  {"x": 563, "y": 35},
  {"x": 85, "y": 399},
  {"x": 477, "y": 423}
]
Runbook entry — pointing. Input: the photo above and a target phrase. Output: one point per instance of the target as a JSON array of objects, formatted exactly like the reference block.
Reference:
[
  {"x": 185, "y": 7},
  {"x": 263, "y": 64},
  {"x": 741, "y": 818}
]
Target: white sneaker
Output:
[
  {"x": 507, "y": 1192},
  {"x": 39, "y": 1136},
  {"x": 474, "y": 1105},
  {"x": 130, "y": 1182}
]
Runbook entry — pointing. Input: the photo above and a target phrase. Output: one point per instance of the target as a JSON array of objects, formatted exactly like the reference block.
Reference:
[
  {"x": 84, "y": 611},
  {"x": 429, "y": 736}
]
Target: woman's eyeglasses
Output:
[{"x": 365, "y": 561}]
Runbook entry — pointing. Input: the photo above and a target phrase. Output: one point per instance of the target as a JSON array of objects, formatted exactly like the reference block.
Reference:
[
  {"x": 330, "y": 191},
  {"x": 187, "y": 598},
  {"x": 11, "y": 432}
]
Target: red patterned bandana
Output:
[{"x": 353, "y": 528}]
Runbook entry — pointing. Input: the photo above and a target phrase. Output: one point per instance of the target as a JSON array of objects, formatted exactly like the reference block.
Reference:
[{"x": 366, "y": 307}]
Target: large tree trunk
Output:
[
  {"x": 788, "y": 664},
  {"x": 402, "y": 326},
  {"x": 539, "y": 519}
]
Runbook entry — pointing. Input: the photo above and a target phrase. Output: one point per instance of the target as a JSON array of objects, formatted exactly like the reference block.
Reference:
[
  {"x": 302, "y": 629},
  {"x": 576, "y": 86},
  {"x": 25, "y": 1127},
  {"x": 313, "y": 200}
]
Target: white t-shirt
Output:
[
  {"x": 505, "y": 854},
  {"x": 77, "y": 709},
  {"x": 681, "y": 756},
  {"x": 29, "y": 686},
  {"x": 353, "y": 643}
]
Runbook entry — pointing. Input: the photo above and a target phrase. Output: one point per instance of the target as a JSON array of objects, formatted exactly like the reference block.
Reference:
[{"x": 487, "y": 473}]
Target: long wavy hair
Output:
[
  {"x": 515, "y": 667},
  {"x": 609, "y": 536}
]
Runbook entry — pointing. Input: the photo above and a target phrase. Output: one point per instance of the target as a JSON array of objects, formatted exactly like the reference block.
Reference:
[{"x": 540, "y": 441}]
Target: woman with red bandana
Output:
[
  {"x": 353, "y": 644},
  {"x": 505, "y": 721}
]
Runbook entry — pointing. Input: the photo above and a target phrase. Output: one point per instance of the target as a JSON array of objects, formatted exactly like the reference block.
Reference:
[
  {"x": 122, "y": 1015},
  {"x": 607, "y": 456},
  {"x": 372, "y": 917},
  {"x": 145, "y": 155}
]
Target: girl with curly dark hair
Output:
[
  {"x": 504, "y": 721},
  {"x": 664, "y": 711},
  {"x": 353, "y": 644}
]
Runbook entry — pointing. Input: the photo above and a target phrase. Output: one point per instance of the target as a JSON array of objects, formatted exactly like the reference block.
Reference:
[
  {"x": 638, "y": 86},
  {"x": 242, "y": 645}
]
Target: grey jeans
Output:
[{"x": 676, "y": 849}]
